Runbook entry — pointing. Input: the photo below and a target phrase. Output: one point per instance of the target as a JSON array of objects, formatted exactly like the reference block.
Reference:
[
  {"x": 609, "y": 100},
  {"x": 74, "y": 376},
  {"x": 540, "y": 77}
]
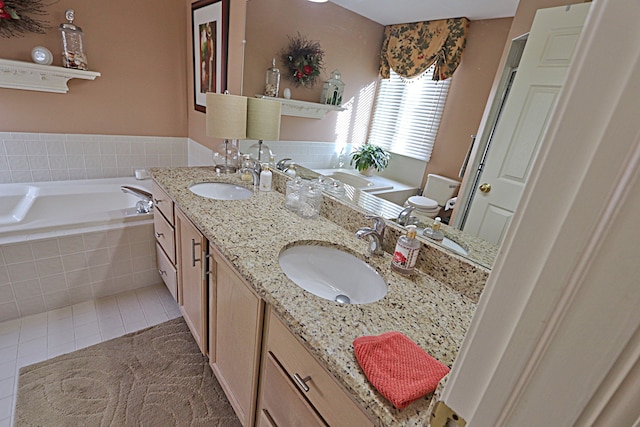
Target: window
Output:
[{"x": 407, "y": 114}]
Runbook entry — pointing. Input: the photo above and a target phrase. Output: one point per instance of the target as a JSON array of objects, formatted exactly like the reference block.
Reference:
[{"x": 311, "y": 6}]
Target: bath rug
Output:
[{"x": 153, "y": 377}]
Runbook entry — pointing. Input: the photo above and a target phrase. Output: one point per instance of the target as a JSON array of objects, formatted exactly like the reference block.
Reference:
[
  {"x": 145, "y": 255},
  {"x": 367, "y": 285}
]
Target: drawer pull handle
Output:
[
  {"x": 193, "y": 252},
  {"x": 158, "y": 235},
  {"x": 302, "y": 382},
  {"x": 162, "y": 272}
]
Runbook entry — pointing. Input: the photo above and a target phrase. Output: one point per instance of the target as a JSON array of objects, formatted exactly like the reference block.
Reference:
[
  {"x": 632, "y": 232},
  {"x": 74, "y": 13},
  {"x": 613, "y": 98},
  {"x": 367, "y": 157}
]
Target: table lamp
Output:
[
  {"x": 226, "y": 119},
  {"x": 263, "y": 123}
]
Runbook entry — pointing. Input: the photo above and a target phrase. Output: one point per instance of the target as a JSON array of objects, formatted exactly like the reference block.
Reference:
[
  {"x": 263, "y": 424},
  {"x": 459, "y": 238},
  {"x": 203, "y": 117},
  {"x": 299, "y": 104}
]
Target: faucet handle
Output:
[{"x": 378, "y": 223}]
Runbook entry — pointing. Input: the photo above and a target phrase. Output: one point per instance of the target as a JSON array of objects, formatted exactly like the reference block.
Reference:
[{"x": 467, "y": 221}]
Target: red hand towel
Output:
[{"x": 397, "y": 367}]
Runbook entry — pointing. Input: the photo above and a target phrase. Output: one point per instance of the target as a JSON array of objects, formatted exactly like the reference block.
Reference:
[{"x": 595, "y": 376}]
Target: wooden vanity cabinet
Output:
[
  {"x": 164, "y": 230},
  {"x": 192, "y": 283},
  {"x": 295, "y": 390},
  {"x": 236, "y": 321}
]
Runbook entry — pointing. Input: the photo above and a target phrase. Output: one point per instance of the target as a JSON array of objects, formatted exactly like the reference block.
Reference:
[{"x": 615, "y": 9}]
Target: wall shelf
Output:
[
  {"x": 43, "y": 78},
  {"x": 295, "y": 108}
]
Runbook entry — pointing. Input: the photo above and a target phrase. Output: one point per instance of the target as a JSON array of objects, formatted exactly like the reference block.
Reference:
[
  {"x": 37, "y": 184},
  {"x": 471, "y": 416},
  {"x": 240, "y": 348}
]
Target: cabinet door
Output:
[
  {"x": 191, "y": 281},
  {"x": 239, "y": 314}
]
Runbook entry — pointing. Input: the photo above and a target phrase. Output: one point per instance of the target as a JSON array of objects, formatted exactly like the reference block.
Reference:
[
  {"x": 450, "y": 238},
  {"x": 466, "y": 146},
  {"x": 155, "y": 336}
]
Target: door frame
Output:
[{"x": 513, "y": 368}]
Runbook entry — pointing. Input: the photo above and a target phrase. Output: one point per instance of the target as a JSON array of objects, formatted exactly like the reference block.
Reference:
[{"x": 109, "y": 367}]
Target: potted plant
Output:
[{"x": 368, "y": 157}]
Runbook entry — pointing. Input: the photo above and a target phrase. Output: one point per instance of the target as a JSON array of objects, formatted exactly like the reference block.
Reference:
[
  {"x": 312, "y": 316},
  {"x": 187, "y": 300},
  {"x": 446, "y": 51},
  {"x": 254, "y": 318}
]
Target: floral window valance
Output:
[{"x": 410, "y": 49}]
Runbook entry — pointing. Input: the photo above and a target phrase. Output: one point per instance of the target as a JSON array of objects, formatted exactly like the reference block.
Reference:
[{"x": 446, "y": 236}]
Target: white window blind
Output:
[{"x": 407, "y": 114}]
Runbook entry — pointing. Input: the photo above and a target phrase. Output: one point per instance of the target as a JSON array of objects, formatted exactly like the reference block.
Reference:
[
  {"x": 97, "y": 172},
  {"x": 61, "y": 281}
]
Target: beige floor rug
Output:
[{"x": 154, "y": 377}]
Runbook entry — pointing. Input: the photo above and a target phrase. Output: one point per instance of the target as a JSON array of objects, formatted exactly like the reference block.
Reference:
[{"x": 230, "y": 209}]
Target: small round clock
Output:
[{"x": 41, "y": 55}]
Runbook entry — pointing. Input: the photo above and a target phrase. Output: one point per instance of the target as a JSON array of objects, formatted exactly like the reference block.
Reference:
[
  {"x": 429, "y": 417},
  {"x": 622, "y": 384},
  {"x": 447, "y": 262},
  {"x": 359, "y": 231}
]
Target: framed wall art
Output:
[{"x": 210, "y": 20}]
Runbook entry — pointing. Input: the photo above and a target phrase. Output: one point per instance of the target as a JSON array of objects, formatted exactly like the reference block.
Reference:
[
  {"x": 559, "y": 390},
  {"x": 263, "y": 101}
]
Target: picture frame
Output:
[{"x": 210, "y": 22}]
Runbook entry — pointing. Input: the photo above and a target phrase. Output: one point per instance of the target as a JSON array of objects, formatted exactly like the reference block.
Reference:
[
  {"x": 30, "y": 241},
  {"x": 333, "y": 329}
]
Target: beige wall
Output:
[
  {"x": 139, "y": 49},
  {"x": 351, "y": 44},
  {"x": 468, "y": 93}
]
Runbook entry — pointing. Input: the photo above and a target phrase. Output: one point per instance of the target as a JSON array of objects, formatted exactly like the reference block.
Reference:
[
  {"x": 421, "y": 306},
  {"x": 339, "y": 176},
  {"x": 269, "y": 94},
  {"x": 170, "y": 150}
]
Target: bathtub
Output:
[
  {"x": 58, "y": 206},
  {"x": 65, "y": 242}
]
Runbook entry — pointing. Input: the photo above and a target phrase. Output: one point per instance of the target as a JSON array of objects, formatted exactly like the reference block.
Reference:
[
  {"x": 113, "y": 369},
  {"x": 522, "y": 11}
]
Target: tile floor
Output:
[{"x": 42, "y": 336}]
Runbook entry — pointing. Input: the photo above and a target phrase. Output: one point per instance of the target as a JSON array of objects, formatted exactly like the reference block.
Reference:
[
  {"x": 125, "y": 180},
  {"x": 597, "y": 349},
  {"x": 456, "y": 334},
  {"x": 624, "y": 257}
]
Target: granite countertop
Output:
[{"x": 251, "y": 233}]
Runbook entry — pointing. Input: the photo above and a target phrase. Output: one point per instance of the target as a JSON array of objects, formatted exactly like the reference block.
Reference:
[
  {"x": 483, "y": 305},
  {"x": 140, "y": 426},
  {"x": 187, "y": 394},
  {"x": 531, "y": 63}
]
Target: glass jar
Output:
[
  {"x": 272, "y": 81},
  {"x": 73, "y": 55},
  {"x": 292, "y": 195},
  {"x": 332, "y": 90},
  {"x": 309, "y": 202}
]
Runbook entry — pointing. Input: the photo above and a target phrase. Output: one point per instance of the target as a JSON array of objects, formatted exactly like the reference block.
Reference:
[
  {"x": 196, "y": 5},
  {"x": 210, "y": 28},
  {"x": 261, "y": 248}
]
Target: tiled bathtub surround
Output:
[
  {"x": 33, "y": 157},
  {"x": 41, "y": 275}
]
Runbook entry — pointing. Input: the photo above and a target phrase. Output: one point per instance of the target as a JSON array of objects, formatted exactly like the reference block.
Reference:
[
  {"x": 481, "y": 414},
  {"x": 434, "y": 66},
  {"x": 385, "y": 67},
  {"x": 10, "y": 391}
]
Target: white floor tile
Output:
[
  {"x": 88, "y": 341},
  {"x": 7, "y": 369},
  {"x": 6, "y": 406},
  {"x": 8, "y": 354},
  {"x": 7, "y": 387},
  {"x": 9, "y": 327},
  {"x": 9, "y": 338},
  {"x": 87, "y": 330}
]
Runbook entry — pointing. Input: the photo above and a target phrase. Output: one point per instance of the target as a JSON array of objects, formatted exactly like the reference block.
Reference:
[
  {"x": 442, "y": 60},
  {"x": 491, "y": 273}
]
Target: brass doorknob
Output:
[{"x": 485, "y": 188}]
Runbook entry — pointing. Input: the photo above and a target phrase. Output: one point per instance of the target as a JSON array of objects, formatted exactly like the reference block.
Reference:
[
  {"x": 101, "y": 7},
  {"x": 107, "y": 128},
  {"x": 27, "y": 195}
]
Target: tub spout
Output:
[{"x": 145, "y": 205}]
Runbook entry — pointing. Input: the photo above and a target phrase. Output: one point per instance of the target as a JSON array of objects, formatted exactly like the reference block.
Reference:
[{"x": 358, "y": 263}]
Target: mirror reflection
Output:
[{"x": 352, "y": 45}]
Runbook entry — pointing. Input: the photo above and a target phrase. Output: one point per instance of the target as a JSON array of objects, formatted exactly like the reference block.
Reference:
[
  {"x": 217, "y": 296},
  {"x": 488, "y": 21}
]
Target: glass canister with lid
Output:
[
  {"x": 73, "y": 55},
  {"x": 310, "y": 201}
]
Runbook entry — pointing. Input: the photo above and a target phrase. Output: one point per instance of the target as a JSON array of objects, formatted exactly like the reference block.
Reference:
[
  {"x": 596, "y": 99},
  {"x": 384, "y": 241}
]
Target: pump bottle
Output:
[{"x": 406, "y": 253}]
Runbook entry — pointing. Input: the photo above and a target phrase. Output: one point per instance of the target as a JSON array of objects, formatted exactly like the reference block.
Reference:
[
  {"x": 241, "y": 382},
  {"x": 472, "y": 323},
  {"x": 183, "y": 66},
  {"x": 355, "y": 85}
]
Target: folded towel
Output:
[{"x": 397, "y": 367}]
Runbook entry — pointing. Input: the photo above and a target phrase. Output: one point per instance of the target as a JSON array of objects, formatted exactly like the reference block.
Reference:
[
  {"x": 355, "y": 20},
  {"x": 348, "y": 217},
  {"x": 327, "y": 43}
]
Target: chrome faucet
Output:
[
  {"x": 405, "y": 218},
  {"x": 254, "y": 171},
  {"x": 282, "y": 164},
  {"x": 375, "y": 234},
  {"x": 145, "y": 205}
]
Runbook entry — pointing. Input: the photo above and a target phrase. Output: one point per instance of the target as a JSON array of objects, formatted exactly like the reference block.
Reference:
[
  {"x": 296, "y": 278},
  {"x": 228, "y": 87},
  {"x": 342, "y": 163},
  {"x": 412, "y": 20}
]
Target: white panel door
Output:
[{"x": 515, "y": 143}]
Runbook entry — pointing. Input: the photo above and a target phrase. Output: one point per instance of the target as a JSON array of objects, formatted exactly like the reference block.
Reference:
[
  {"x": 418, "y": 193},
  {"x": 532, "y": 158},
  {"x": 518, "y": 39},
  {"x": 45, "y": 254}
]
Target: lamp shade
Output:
[
  {"x": 263, "y": 119},
  {"x": 226, "y": 116}
]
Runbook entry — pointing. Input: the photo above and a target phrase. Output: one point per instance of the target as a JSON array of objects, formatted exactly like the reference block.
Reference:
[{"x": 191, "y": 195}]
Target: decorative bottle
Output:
[
  {"x": 73, "y": 55},
  {"x": 272, "y": 81},
  {"x": 406, "y": 253}
]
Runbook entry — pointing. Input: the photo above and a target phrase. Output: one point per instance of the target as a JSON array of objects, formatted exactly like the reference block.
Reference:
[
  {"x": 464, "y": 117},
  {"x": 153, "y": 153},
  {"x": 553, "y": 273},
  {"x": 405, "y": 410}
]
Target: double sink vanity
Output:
[{"x": 282, "y": 353}]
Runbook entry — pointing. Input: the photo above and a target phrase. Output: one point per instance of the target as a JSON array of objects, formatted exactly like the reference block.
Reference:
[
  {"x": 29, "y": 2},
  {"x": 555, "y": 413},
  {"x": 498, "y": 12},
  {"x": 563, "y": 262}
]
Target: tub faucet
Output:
[
  {"x": 405, "y": 218},
  {"x": 145, "y": 205},
  {"x": 375, "y": 234}
]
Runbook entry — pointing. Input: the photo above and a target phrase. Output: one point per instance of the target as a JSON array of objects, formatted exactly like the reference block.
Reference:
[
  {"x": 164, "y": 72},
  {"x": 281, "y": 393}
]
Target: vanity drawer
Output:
[
  {"x": 281, "y": 404},
  {"x": 167, "y": 271},
  {"x": 165, "y": 235},
  {"x": 328, "y": 398},
  {"x": 162, "y": 202}
]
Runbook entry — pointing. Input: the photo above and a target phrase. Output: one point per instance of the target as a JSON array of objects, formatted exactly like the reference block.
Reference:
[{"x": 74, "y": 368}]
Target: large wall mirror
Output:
[{"x": 352, "y": 44}]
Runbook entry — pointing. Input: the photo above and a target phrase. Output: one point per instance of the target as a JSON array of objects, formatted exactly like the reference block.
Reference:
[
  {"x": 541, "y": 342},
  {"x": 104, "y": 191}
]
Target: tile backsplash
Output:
[{"x": 34, "y": 157}]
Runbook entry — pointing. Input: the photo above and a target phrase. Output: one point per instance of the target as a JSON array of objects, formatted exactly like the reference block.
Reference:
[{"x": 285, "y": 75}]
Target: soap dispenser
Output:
[
  {"x": 265, "y": 178},
  {"x": 406, "y": 253},
  {"x": 434, "y": 231}
]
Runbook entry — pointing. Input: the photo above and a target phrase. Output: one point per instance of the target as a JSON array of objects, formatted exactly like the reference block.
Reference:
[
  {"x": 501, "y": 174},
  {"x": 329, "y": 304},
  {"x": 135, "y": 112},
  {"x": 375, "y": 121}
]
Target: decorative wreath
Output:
[
  {"x": 15, "y": 19},
  {"x": 303, "y": 59}
]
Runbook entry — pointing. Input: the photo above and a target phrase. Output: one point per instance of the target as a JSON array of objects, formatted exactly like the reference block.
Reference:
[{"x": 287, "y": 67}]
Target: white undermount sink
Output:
[
  {"x": 332, "y": 274},
  {"x": 221, "y": 191}
]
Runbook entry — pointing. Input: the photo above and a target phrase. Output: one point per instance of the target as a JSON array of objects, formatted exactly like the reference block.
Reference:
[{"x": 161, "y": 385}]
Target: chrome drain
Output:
[{"x": 343, "y": 299}]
